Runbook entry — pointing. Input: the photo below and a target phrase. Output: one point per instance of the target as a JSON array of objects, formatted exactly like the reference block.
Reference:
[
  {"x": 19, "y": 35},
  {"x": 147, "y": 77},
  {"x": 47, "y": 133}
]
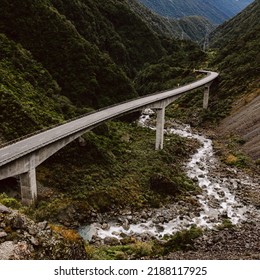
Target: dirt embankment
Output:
[{"x": 245, "y": 121}]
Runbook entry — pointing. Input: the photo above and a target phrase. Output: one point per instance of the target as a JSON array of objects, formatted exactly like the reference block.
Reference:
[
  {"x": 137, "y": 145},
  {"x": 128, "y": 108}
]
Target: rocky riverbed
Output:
[
  {"x": 227, "y": 196},
  {"x": 23, "y": 239}
]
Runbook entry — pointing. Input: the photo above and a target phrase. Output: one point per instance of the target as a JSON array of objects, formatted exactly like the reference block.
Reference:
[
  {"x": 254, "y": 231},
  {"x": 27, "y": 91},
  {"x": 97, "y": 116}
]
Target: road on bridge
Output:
[{"x": 16, "y": 150}]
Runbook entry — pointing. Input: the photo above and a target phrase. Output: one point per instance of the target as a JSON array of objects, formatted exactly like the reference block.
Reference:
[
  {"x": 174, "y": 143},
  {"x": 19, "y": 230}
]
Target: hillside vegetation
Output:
[
  {"x": 217, "y": 11},
  {"x": 28, "y": 93},
  {"x": 237, "y": 44},
  {"x": 234, "y": 54},
  {"x": 81, "y": 48},
  {"x": 194, "y": 27},
  {"x": 62, "y": 58},
  {"x": 238, "y": 59},
  {"x": 82, "y": 71}
]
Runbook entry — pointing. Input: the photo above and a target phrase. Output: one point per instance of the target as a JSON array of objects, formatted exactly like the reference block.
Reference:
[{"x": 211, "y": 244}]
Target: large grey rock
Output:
[
  {"x": 112, "y": 241},
  {"x": 4, "y": 209},
  {"x": 7, "y": 250},
  {"x": 3, "y": 234}
]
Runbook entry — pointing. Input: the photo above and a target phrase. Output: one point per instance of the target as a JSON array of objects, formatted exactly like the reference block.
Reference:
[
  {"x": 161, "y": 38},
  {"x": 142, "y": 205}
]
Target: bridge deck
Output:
[{"x": 30, "y": 144}]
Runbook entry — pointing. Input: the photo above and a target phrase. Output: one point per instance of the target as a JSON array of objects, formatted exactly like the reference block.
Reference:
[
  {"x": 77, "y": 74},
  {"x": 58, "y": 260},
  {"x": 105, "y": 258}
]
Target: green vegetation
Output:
[
  {"x": 62, "y": 58},
  {"x": 83, "y": 72},
  {"x": 119, "y": 169},
  {"x": 226, "y": 223},
  {"x": 196, "y": 28},
  {"x": 234, "y": 54},
  {"x": 234, "y": 155},
  {"x": 191, "y": 27},
  {"x": 59, "y": 59},
  {"x": 28, "y": 94},
  {"x": 217, "y": 11},
  {"x": 9, "y": 201},
  {"x": 135, "y": 249},
  {"x": 183, "y": 240},
  {"x": 237, "y": 59}
]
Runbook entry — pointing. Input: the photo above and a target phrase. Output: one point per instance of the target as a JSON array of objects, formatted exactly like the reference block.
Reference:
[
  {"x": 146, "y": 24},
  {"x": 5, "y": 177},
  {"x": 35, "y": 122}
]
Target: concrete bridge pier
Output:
[
  {"x": 206, "y": 96},
  {"x": 28, "y": 187},
  {"x": 160, "y": 128}
]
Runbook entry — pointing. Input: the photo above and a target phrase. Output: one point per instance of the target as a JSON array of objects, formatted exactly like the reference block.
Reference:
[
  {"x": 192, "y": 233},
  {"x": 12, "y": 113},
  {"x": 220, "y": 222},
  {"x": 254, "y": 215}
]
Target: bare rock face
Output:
[{"x": 23, "y": 239}]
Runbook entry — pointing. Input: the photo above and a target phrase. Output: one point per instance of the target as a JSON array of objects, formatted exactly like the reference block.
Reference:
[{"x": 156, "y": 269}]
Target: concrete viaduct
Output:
[{"x": 22, "y": 157}]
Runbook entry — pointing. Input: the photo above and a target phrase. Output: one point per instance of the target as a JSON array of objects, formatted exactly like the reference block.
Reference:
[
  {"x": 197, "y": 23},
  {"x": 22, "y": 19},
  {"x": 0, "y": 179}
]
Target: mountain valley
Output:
[{"x": 61, "y": 59}]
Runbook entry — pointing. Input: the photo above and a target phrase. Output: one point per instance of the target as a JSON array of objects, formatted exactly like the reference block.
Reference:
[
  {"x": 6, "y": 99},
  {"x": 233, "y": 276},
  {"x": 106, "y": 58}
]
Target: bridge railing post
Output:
[{"x": 160, "y": 128}]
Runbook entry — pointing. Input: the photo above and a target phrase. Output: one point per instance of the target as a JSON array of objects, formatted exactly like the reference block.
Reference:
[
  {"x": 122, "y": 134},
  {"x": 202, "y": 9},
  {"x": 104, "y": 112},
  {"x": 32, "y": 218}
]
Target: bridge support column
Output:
[
  {"x": 28, "y": 187},
  {"x": 206, "y": 97},
  {"x": 160, "y": 128}
]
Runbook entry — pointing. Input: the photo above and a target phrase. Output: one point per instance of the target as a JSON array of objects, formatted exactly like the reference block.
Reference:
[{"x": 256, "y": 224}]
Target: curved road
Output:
[{"x": 30, "y": 144}]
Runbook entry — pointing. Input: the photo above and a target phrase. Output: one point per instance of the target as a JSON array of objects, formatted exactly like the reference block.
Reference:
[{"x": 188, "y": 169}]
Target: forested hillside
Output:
[
  {"x": 217, "y": 11},
  {"x": 80, "y": 68},
  {"x": 237, "y": 45},
  {"x": 62, "y": 58},
  {"x": 30, "y": 98},
  {"x": 191, "y": 27},
  {"x": 87, "y": 51},
  {"x": 234, "y": 53}
]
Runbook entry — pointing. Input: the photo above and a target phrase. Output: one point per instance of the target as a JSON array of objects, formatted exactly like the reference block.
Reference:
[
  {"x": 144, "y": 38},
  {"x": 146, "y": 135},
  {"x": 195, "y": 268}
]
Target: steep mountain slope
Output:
[
  {"x": 237, "y": 43},
  {"x": 238, "y": 59},
  {"x": 193, "y": 27},
  {"x": 87, "y": 51},
  {"x": 85, "y": 55},
  {"x": 235, "y": 55},
  {"x": 243, "y": 25},
  {"x": 29, "y": 97},
  {"x": 115, "y": 29},
  {"x": 97, "y": 53},
  {"x": 217, "y": 11},
  {"x": 80, "y": 68},
  {"x": 196, "y": 27}
]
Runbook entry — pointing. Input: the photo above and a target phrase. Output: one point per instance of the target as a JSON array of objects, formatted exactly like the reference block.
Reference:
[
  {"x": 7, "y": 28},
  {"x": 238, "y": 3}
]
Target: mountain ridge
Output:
[
  {"x": 217, "y": 11},
  {"x": 62, "y": 58},
  {"x": 191, "y": 27}
]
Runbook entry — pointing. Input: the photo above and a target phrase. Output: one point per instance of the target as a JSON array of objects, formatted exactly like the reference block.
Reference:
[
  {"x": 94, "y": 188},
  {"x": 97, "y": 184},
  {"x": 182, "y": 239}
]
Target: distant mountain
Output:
[
  {"x": 238, "y": 27},
  {"x": 217, "y": 11},
  {"x": 196, "y": 27},
  {"x": 191, "y": 27}
]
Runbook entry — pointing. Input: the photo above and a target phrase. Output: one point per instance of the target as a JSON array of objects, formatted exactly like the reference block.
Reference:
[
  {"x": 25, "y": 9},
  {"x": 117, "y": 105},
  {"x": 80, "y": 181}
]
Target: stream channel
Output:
[{"x": 216, "y": 201}]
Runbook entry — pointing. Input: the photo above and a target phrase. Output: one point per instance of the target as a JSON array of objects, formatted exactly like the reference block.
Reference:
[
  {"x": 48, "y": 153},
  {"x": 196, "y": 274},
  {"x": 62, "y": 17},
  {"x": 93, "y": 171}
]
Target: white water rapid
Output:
[{"x": 217, "y": 198}]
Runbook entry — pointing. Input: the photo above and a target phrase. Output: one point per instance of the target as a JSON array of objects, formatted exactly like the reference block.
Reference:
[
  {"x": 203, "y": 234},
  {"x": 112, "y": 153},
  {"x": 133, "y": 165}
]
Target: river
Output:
[{"x": 217, "y": 199}]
